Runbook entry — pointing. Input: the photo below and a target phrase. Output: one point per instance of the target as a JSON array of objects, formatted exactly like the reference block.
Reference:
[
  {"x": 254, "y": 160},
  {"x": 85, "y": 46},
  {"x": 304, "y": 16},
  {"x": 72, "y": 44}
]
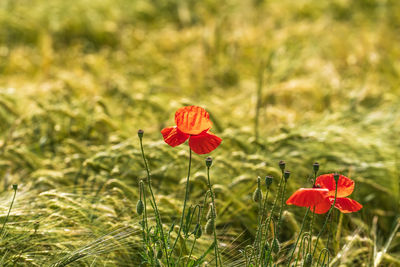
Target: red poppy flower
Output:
[
  {"x": 193, "y": 123},
  {"x": 321, "y": 198}
]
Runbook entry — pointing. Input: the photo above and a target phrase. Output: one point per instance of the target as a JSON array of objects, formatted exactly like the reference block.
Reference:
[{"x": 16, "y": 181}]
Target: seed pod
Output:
[
  {"x": 159, "y": 253},
  {"x": 257, "y": 195},
  {"x": 276, "y": 246},
  {"x": 268, "y": 181},
  {"x": 208, "y": 162},
  {"x": 197, "y": 231},
  {"x": 286, "y": 174},
  {"x": 336, "y": 177},
  {"x": 282, "y": 165},
  {"x": 316, "y": 167},
  {"x": 308, "y": 260},
  {"x": 140, "y": 133},
  {"x": 139, "y": 207},
  {"x": 209, "y": 226}
]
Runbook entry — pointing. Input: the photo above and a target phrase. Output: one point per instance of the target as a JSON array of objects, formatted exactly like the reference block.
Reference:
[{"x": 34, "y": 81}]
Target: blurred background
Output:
[{"x": 300, "y": 81}]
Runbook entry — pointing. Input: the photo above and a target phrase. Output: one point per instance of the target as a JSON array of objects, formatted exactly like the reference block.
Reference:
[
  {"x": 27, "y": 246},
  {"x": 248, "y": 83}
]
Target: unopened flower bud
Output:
[
  {"x": 316, "y": 167},
  {"x": 197, "y": 231},
  {"x": 140, "y": 133},
  {"x": 139, "y": 207},
  {"x": 208, "y": 162},
  {"x": 209, "y": 228},
  {"x": 286, "y": 174},
  {"x": 276, "y": 246},
  {"x": 159, "y": 253},
  {"x": 266, "y": 246},
  {"x": 268, "y": 181},
  {"x": 308, "y": 260},
  {"x": 282, "y": 165},
  {"x": 257, "y": 195},
  {"x": 15, "y": 187},
  {"x": 211, "y": 213}
]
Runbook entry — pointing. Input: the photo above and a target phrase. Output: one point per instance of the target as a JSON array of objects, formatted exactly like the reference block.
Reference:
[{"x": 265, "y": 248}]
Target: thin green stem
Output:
[
  {"x": 298, "y": 237},
  {"x": 272, "y": 210},
  {"x": 217, "y": 256},
  {"x": 260, "y": 230},
  {"x": 184, "y": 201},
  {"x": 157, "y": 214},
  {"x": 281, "y": 207},
  {"x": 326, "y": 221},
  {"x": 9, "y": 210}
]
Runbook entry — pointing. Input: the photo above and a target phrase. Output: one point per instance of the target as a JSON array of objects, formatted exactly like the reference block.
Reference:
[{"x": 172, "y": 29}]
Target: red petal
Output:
[
  {"x": 174, "y": 137},
  {"x": 345, "y": 185},
  {"x": 347, "y": 205},
  {"x": 192, "y": 120},
  {"x": 322, "y": 207},
  {"x": 204, "y": 143},
  {"x": 308, "y": 197}
]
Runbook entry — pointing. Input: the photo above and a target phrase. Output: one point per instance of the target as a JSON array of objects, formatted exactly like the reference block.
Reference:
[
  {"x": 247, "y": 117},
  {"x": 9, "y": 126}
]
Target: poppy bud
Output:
[
  {"x": 268, "y": 181},
  {"x": 15, "y": 187},
  {"x": 209, "y": 226},
  {"x": 139, "y": 207},
  {"x": 140, "y": 133},
  {"x": 266, "y": 246},
  {"x": 282, "y": 165},
  {"x": 197, "y": 231},
  {"x": 336, "y": 177},
  {"x": 308, "y": 260},
  {"x": 286, "y": 174},
  {"x": 211, "y": 213},
  {"x": 208, "y": 162},
  {"x": 316, "y": 167},
  {"x": 159, "y": 253},
  {"x": 257, "y": 195},
  {"x": 276, "y": 246}
]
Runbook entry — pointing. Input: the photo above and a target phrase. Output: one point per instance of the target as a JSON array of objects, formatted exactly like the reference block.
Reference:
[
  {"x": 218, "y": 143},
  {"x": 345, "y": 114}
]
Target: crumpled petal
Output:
[
  {"x": 192, "y": 120},
  {"x": 204, "y": 143},
  {"x": 322, "y": 207},
  {"x": 308, "y": 197},
  {"x": 345, "y": 185},
  {"x": 173, "y": 137},
  {"x": 347, "y": 205}
]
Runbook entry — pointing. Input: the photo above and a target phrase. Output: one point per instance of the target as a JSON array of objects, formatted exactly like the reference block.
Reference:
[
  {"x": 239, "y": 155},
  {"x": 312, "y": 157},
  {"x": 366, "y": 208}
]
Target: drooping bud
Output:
[
  {"x": 211, "y": 213},
  {"x": 268, "y": 181},
  {"x": 140, "y": 133},
  {"x": 308, "y": 260},
  {"x": 276, "y": 246},
  {"x": 159, "y": 253},
  {"x": 139, "y": 207},
  {"x": 257, "y": 195},
  {"x": 336, "y": 177},
  {"x": 15, "y": 187},
  {"x": 209, "y": 228},
  {"x": 316, "y": 167},
  {"x": 208, "y": 162},
  {"x": 282, "y": 165},
  {"x": 286, "y": 174},
  {"x": 197, "y": 231}
]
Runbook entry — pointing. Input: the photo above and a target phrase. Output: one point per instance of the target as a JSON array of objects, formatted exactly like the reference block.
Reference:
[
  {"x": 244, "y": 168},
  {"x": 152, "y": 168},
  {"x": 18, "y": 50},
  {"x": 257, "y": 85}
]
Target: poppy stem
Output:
[
  {"x": 259, "y": 238},
  {"x": 214, "y": 210},
  {"x": 326, "y": 220},
  {"x": 15, "y": 187},
  {"x": 268, "y": 221},
  {"x": 298, "y": 237},
  {"x": 157, "y": 214},
  {"x": 184, "y": 202}
]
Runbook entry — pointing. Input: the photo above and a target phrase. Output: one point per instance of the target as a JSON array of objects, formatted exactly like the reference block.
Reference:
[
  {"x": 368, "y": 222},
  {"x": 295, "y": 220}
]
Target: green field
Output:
[{"x": 300, "y": 81}]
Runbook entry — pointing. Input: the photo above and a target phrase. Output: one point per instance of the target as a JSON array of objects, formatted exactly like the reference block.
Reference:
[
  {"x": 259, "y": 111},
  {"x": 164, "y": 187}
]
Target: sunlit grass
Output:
[{"x": 79, "y": 78}]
